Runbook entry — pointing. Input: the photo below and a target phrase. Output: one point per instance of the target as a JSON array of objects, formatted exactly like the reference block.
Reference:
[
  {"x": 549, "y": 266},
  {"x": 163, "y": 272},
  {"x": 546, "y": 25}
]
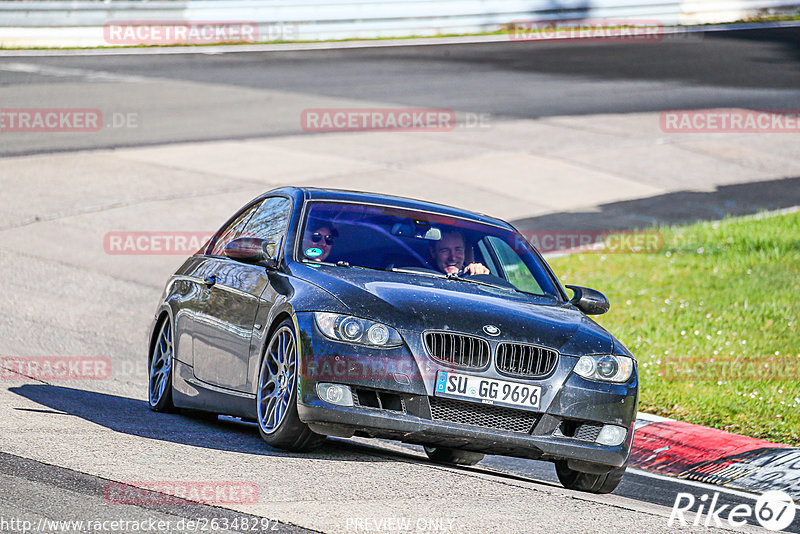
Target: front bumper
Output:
[
  {"x": 406, "y": 376},
  {"x": 412, "y": 429}
]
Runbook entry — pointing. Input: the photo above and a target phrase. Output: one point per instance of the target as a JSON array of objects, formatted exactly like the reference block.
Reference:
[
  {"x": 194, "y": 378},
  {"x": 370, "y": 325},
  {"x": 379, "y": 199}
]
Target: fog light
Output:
[
  {"x": 335, "y": 394},
  {"x": 612, "y": 435}
]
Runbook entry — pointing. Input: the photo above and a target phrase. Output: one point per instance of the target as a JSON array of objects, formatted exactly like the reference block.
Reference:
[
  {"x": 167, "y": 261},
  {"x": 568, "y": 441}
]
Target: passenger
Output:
[
  {"x": 318, "y": 241},
  {"x": 449, "y": 254}
]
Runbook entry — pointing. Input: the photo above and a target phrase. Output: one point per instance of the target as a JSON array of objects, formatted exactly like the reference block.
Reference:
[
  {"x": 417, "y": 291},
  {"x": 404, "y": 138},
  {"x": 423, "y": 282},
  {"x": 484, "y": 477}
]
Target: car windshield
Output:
[{"x": 405, "y": 240}]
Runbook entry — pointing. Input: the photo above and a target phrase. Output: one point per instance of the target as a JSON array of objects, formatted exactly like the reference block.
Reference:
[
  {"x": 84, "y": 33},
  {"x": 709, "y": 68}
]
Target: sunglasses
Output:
[{"x": 316, "y": 237}]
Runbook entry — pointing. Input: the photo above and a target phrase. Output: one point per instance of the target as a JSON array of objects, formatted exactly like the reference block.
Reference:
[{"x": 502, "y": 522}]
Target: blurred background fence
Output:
[{"x": 86, "y": 23}]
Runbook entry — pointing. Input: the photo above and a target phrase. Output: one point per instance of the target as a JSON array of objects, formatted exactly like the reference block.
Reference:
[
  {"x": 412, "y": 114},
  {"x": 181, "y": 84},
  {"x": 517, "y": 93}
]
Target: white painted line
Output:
[
  {"x": 61, "y": 72},
  {"x": 696, "y": 484},
  {"x": 768, "y": 214},
  {"x": 650, "y": 418},
  {"x": 341, "y": 45}
]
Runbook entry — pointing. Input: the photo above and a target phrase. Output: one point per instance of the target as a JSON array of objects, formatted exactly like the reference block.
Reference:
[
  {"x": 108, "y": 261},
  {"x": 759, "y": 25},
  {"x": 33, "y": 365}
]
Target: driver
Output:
[
  {"x": 449, "y": 253},
  {"x": 318, "y": 241}
]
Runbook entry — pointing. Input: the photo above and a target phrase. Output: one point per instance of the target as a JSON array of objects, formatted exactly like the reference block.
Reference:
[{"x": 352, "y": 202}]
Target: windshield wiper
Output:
[
  {"x": 342, "y": 263},
  {"x": 448, "y": 276},
  {"x": 452, "y": 276},
  {"x": 413, "y": 271}
]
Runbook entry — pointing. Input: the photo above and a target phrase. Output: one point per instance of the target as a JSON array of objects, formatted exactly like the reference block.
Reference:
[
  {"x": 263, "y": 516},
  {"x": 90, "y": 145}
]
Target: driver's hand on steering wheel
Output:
[{"x": 475, "y": 268}]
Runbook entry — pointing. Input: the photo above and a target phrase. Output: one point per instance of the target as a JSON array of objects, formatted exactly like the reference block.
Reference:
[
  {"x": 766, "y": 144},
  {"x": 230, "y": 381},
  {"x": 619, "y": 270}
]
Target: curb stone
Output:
[{"x": 694, "y": 452}]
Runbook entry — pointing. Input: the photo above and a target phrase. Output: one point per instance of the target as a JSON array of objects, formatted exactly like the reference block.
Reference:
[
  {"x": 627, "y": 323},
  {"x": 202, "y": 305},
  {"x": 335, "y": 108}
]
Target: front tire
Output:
[
  {"x": 589, "y": 482},
  {"x": 276, "y": 398},
  {"x": 446, "y": 455},
  {"x": 160, "y": 369}
]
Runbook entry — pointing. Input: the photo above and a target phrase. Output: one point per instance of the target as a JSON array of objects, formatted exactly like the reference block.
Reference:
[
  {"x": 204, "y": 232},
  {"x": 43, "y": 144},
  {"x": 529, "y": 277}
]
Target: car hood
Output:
[{"x": 416, "y": 303}]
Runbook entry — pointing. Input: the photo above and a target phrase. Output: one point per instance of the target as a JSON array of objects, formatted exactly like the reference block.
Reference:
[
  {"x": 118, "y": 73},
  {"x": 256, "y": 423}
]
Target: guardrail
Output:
[{"x": 85, "y": 23}]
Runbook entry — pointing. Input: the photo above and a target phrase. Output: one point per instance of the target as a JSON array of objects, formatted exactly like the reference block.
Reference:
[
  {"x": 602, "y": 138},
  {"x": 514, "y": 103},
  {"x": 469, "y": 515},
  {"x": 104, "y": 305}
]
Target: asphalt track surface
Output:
[
  {"x": 757, "y": 69},
  {"x": 202, "y": 97}
]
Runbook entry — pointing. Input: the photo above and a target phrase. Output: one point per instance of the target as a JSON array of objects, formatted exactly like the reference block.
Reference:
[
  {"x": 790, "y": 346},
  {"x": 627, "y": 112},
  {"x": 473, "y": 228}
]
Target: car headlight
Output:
[
  {"x": 605, "y": 367},
  {"x": 356, "y": 330}
]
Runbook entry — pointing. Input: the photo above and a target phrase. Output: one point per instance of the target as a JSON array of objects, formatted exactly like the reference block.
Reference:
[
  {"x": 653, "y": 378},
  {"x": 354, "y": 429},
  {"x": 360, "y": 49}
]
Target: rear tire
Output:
[
  {"x": 276, "y": 398},
  {"x": 589, "y": 482},
  {"x": 446, "y": 455},
  {"x": 159, "y": 383}
]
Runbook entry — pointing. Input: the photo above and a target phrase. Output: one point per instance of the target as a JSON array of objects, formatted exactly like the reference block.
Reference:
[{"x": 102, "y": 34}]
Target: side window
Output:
[
  {"x": 270, "y": 221},
  {"x": 231, "y": 231},
  {"x": 486, "y": 258},
  {"x": 514, "y": 268}
]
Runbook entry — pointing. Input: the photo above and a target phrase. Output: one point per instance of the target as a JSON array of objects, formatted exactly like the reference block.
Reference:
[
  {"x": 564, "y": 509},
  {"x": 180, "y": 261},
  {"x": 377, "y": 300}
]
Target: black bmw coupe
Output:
[{"x": 320, "y": 313}]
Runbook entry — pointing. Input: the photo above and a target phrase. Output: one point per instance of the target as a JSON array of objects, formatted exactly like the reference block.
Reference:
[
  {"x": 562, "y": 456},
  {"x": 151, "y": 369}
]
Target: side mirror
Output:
[
  {"x": 589, "y": 301},
  {"x": 253, "y": 250}
]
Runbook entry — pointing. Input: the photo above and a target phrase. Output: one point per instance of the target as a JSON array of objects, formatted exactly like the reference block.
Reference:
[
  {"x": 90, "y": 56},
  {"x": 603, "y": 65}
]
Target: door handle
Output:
[{"x": 209, "y": 281}]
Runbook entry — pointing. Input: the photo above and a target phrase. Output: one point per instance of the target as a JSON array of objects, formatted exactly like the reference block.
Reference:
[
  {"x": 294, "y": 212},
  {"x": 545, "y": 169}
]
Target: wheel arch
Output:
[
  {"x": 164, "y": 311},
  {"x": 280, "y": 315},
  {"x": 281, "y": 310},
  {"x": 276, "y": 321}
]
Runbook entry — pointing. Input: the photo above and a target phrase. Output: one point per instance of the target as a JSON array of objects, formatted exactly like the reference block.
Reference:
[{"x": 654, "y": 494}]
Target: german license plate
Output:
[{"x": 487, "y": 390}]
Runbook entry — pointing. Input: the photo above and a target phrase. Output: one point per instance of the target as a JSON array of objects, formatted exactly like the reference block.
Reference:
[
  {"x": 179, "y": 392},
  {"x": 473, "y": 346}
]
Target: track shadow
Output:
[
  {"x": 785, "y": 38},
  {"x": 743, "y": 59},
  {"x": 681, "y": 207},
  {"x": 130, "y": 416},
  {"x": 134, "y": 417}
]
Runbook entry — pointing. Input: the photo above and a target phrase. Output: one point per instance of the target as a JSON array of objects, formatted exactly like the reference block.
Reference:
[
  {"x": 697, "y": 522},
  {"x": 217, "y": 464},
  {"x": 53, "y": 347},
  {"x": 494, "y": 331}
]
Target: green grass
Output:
[{"x": 713, "y": 320}]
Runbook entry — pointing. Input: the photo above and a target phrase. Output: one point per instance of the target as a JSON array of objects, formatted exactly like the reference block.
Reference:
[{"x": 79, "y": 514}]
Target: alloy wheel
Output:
[
  {"x": 161, "y": 363},
  {"x": 276, "y": 380}
]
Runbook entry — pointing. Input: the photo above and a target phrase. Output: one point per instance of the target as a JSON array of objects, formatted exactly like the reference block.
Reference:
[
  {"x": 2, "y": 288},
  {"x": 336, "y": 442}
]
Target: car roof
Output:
[{"x": 316, "y": 193}]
